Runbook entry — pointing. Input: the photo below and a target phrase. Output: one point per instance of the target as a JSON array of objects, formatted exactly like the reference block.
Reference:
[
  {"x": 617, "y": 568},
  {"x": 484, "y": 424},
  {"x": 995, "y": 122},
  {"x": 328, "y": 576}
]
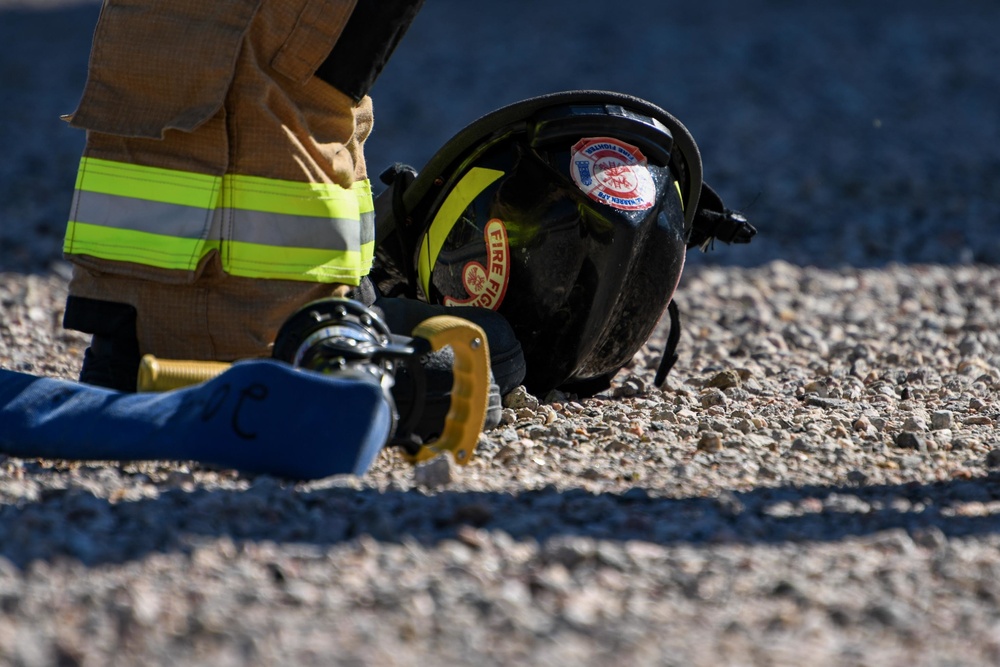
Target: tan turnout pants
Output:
[{"x": 216, "y": 88}]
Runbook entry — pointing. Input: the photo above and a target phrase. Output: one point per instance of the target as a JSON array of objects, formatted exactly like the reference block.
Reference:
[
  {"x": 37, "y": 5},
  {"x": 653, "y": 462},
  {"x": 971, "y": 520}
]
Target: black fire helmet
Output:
[{"x": 570, "y": 214}]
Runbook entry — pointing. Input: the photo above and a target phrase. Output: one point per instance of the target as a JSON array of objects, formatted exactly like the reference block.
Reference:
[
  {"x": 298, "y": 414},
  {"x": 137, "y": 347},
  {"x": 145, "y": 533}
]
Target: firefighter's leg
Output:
[{"x": 276, "y": 136}]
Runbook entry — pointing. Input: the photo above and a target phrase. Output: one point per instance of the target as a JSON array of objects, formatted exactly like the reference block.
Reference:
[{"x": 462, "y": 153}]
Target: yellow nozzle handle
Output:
[
  {"x": 168, "y": 374},
  {"x": 470, "y": 392}
]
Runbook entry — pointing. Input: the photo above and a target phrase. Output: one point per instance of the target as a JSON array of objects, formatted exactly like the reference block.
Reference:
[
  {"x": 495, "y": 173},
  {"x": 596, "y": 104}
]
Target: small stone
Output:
[
  {"x": 914, "y": 425},
  {"x": 507, "y": 417},
  {"x": 520, "y": 398},
  {"x": 569, "y": 551},
  {"x": 729, "y": 505},
  {"x": 970, "y": 347},
  {"x": 631, "y": 387},
  {"x": 525, "y": 413},
  {"x": 859, "y": 477},
  {"x": 911, "y": 440},
  {"x": 506, "y": 454},
  {"x": 664, "y": 415},
  {"x": 931, "y": 537},
  {"x": 963, "y": 443},
  {"x": 815, "y": 401},
  {"x": 434, "y": 473},
  {"x": 508, "y": 435},
  {"x": 801, "y": 445},
  {"x": 817, "y": 387},
  {"x": 725, "y": 380},
  {"x": 993, "y": 458},
  {"x": 941, "y": 419},
  {"x": 943, "y": 437},
  {"x": 472, "y": 537},
  {"x": 710, "y": 441},
  {"x": 713, "y": 397},
  {"x": 551, "y": 416}
]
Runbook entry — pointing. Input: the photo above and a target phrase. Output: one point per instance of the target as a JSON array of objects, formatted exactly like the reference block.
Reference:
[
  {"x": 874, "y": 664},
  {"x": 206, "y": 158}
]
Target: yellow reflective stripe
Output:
[
  {"x": 459, "y": 199},
  {"x": 363, "y": 191},
  {"x": 126, "y": 245},
  {"x": 265, "y": 261},
  {"x": 366, "y": 208},
  {"x": 322, "y": 265},
  {"x": 151, "y": 183},
  {"x": 267, "y": 195},
  {"x": 121, "y": 211},
  {"x": 367, "y": 256}
]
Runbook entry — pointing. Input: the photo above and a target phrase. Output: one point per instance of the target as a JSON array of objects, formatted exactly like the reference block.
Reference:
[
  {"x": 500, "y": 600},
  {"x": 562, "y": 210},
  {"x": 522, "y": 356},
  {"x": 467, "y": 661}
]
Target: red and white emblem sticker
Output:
[
  {"x": 487, "y": 285},
  {"x": 613, "y": 172}
]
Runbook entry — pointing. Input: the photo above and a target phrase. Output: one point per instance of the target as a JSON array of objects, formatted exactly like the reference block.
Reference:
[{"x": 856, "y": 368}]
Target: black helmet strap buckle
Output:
[{"x": 714, "y": 221}]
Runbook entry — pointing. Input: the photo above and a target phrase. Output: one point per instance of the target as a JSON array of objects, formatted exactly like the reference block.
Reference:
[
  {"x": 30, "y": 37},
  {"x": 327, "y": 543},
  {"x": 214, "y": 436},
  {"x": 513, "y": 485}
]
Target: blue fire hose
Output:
[{"x": 258, "y": 416}]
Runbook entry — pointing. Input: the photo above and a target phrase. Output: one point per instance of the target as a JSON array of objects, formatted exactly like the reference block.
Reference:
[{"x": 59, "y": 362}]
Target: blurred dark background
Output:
[{"x": 852, "y": 133}]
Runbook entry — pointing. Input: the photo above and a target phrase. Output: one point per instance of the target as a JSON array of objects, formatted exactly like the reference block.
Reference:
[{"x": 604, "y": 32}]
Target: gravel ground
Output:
[{"x": 818, "y": 482}]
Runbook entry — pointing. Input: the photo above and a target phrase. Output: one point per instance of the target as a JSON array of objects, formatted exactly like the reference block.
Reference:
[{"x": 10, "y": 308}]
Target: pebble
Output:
[
  {"x": 713, "y": 397},
  {"x": 520, "y": 399},
  {"x": 941, "y": 419},
  {"x": 993, "y": 458},
  {"x": 911, "y": 440},
  {"x": 710, "y": 441},
  {"x": 435, "y": 473},
  {"x": 725, "y": 380}
]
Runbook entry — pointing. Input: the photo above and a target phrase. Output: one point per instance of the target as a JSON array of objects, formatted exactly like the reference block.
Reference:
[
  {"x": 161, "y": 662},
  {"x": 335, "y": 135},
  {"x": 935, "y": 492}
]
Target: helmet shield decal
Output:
[{"x": 613, "y": 172}]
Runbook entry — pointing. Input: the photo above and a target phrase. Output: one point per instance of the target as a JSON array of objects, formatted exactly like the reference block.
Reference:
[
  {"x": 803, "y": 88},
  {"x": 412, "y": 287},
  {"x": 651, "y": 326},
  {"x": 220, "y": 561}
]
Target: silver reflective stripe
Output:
[
  {"x": 189, "y": 222},
  {"x": 368, "y": 227},
  {"x": 141, "y": 215},
  {"x": 293, "y": 231}
]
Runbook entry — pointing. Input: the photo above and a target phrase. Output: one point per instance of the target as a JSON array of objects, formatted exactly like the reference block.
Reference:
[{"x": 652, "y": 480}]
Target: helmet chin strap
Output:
[{"x": 669, "y": 357}]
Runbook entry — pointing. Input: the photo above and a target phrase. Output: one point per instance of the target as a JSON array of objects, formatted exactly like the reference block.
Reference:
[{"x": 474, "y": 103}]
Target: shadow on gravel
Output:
[{"x": 77, "y": 525}]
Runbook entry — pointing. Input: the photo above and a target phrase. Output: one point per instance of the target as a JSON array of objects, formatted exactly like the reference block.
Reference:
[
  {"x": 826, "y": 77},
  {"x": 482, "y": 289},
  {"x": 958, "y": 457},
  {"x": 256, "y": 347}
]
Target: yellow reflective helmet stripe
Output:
[
  {"x": 459, "y": 199},
  {"x": 265, "y": 228}
]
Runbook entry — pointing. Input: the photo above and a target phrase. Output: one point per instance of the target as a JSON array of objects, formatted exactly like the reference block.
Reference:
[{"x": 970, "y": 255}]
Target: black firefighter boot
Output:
[{"x": 112, "y": 360}]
